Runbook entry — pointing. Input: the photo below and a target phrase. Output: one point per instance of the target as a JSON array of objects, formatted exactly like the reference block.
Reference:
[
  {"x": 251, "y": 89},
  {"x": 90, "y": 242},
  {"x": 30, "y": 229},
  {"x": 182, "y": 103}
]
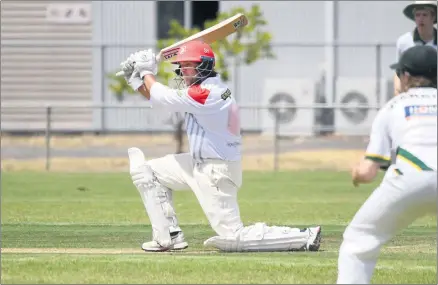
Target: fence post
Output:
[
  {"x": 379, "y": 73},
  {"x": 47, "y": 135},
  {"x": 102, "y": 89},
  {"x": 276, "y": 133}
]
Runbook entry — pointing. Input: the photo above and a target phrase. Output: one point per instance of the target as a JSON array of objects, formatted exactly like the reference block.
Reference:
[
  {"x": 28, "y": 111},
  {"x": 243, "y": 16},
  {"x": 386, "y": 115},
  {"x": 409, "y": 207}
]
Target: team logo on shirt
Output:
[
  {"x": 226, "y": 94},
  {"x": 420, "y": 111}
]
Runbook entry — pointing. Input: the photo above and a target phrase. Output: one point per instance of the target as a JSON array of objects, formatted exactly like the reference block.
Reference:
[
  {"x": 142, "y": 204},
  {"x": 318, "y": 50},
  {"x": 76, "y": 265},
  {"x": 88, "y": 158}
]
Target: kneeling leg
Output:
[{"x": 260, "y": 237}]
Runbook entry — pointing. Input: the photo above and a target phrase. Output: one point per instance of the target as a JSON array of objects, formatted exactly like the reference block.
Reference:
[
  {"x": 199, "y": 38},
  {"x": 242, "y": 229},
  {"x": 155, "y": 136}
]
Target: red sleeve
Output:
[
  {"x": 191, "y": 100},
  {"x": 198, "y": 94}
]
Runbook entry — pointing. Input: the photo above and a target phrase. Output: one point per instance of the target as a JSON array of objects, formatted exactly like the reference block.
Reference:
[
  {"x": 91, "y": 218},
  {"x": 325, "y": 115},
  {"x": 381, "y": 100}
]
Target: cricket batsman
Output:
[
  {"x": 407, "y": 124},
  {"x": 212, "y": 168}
]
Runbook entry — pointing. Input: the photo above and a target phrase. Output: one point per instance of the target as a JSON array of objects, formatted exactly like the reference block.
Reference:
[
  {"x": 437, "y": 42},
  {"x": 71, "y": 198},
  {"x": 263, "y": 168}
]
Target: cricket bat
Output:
[{"x": 210, "y": 35}]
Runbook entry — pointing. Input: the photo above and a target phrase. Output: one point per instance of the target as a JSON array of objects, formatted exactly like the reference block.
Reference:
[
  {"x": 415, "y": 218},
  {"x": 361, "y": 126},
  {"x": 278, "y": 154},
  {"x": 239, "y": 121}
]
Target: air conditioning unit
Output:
[
  {"x": 353, "y": 92},
  {"x": 294, "y": 121}
]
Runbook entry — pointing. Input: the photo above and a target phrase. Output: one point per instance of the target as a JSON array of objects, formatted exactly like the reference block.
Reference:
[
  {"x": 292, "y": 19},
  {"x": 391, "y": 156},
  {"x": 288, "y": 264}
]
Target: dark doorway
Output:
[
  {"x": 174, "y": 10},
  {"x": 202, "y": 11},
  {"x": 167, "y": 11}
]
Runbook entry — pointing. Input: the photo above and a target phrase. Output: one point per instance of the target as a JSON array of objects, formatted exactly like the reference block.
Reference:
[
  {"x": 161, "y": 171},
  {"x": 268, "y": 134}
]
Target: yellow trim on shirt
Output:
[
  {"x": 409, "y": 162},
  {"x": 378, "y": 156},
  {"x": 412, "y": 160}
]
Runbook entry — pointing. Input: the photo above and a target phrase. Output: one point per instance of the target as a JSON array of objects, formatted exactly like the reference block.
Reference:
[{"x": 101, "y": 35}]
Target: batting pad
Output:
[
  {"x": 260, "y": 237},
  {"x": 154, "y": 197}
]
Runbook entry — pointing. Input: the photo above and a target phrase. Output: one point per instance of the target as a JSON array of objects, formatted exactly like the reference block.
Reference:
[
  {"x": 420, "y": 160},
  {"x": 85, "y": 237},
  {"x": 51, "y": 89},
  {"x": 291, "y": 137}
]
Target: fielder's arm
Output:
[
  {"x": 364, "y": 172},
  {"x": 378, "y": 153}
]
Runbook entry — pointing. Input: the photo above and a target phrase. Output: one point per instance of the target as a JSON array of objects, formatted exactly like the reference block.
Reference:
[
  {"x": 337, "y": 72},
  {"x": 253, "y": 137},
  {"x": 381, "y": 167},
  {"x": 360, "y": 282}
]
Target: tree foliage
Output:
[
  {"x": 246, "y": 46},
  {"x": 119, "y": 86}
]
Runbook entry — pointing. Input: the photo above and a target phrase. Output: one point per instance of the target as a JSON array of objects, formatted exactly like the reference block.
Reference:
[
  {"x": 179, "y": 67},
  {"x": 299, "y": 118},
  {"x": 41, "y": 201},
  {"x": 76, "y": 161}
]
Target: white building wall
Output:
[
  {"x": 288, "y": 22},
  {"x": 119, "y": 28},
  {"x": 44, "y": 63}
]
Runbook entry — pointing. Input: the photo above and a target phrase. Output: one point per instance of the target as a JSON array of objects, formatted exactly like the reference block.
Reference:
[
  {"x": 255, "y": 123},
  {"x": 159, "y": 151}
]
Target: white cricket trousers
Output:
[
  {"x": 214, "y": 182},
  {"x": 394, "y": 205}
]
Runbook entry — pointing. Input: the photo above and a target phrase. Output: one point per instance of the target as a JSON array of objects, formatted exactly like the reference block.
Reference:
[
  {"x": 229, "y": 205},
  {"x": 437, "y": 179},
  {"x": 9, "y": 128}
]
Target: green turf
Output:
[{"x": 104, "y": 211}]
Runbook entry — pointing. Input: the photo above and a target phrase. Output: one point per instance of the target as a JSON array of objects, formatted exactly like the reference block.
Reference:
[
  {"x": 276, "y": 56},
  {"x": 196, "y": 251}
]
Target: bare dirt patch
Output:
[
  {"x": 83, "y": 141},
  {"x": 261, "y": 161},
  {"x": 300, "y": 160},
  {"x": 304, "y": 160}
]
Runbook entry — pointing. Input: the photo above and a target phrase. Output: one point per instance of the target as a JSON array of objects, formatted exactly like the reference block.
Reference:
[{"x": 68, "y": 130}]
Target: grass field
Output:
[{"x": 87, "y": 228}]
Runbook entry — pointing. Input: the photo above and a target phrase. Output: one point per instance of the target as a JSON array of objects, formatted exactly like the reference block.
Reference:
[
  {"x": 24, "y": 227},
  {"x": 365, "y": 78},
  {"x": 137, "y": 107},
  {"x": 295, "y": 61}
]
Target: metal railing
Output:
[
  {"x": 49, "y": 130},
  {"x": 107, "y": 57}
]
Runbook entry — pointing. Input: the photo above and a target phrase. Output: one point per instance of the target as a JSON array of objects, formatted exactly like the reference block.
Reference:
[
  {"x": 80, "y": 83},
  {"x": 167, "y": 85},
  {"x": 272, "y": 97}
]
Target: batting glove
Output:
[
  {"x": 145, "y": 63},
  {"x": 131, "y": 77},
  {"x": 135, "y": 81},
  {"x": 127, "y": 67}
]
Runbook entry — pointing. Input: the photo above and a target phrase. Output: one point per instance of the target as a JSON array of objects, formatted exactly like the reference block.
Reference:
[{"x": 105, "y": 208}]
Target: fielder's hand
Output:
[
  {"x": 145, "y": 63},
  {"x": 355, "y": 176}
]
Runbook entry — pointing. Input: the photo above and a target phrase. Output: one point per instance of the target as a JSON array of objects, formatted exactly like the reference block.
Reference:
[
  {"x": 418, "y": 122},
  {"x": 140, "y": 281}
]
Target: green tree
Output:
[
  {"x": 119, "y": 86},
  {"x": 247, "y": 46}
]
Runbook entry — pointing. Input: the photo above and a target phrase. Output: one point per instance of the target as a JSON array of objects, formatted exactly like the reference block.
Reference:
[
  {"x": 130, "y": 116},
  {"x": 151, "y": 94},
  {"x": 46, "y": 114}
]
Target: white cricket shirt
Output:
[
  {"x": 407, "y": 124},
  {"x": 411, "y": 39},
  {"x": 211, "y": 117}
]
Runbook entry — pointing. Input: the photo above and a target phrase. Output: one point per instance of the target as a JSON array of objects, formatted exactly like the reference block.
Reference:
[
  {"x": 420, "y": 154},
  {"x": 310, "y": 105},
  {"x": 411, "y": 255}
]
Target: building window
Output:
[
  {"x": 202, "y": 11},
  {"x": 169, "y": 10}
]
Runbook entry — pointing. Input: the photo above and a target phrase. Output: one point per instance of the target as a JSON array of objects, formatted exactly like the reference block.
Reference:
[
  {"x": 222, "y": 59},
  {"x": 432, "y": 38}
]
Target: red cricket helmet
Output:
[{"x": 195, "y": 51}]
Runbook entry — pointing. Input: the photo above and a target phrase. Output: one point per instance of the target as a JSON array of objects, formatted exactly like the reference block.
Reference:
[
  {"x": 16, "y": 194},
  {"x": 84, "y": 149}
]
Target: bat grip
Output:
[{"x": 157, "y": 58}]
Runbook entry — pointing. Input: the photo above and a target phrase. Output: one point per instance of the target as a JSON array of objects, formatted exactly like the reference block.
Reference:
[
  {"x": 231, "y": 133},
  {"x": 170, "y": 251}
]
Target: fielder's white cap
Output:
[{"x": 410, "y": 9}]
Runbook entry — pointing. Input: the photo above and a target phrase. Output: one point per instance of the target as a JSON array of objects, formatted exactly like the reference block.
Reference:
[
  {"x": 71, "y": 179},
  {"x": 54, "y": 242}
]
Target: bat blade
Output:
[{"x": 209, "y": 36}]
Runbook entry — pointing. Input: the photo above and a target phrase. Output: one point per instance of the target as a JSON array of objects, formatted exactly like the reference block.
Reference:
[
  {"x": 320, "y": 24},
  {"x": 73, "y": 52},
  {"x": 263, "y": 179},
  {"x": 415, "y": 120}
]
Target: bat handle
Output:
[{"x": 157, "y": 58}]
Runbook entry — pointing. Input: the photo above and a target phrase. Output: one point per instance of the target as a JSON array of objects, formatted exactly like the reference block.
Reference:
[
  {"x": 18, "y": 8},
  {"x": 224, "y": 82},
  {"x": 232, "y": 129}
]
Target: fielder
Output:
[
  {"x": 423, "y": 13},
  {"x": 408, "y": 124},
  {"x": 212, "y": 168}
]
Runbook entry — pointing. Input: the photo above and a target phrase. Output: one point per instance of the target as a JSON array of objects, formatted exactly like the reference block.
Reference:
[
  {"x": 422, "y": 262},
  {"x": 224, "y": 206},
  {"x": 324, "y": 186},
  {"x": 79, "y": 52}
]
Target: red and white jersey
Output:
[{"x": 211, "y": 116}]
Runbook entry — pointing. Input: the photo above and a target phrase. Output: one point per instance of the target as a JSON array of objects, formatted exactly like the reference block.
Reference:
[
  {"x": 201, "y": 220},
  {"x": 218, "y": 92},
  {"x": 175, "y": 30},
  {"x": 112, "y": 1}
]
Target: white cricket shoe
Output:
[
  {"x": 314, "y": 240},
  {"x": 178, "y": 243}
]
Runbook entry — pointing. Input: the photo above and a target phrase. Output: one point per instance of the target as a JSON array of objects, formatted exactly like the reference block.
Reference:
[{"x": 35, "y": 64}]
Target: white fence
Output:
[{"x": 279, "y": 121}]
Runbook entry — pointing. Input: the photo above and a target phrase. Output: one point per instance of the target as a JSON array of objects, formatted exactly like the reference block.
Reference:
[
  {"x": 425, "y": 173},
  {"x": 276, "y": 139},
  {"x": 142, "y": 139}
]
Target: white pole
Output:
[
  {"x": 187, "y": 14},
  {"x": 329, "y": 66}
]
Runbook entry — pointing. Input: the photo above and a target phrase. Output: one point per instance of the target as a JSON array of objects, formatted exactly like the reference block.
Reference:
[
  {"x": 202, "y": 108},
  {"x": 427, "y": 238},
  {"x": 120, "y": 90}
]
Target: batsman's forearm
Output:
[
  {"x": 145, "y": 89},
  {"x": 149, "y": 80}
]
